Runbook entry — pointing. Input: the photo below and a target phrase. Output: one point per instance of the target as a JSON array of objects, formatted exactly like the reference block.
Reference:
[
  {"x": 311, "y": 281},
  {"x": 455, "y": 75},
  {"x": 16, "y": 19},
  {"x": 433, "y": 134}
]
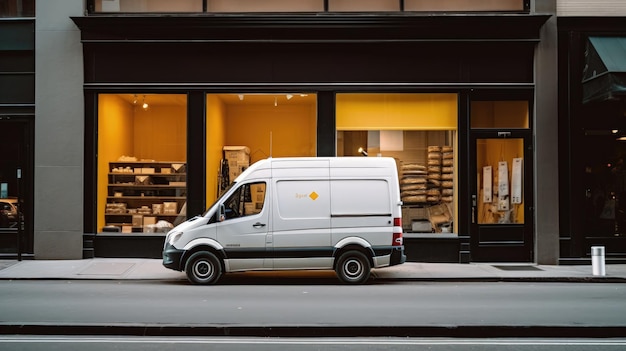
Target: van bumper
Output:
[
  {"x": 397, "y": 256},
  {"x": 172, "y": 257}
]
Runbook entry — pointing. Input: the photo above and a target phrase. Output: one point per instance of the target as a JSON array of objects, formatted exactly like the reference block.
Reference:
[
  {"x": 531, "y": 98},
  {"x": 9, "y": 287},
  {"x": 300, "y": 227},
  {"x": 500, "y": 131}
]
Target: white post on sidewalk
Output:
[{"x": 597, "y": 260}]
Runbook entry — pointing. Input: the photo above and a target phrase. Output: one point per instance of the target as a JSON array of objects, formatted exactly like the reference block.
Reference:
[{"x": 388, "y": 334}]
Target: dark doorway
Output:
[{"x": 16, "y": 179}]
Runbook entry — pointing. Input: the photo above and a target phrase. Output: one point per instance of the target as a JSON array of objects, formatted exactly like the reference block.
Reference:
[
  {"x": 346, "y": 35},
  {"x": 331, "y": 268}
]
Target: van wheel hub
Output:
[
  {"x": 353, "y": 268},
  {"x": 203, "y": 269}
]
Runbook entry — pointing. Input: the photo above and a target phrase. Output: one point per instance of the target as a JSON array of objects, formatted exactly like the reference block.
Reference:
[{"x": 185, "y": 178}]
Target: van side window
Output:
[{"x": 246, "y": 201}]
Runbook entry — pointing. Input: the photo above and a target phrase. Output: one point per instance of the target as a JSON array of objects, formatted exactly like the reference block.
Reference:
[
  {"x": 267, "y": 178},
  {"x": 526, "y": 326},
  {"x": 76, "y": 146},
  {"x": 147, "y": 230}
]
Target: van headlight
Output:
[{"x": 173, "y": 237}]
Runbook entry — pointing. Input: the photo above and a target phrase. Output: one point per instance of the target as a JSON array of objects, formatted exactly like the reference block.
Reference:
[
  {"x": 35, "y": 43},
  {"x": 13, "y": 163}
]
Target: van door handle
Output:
[{"x": 258, "y": 225}]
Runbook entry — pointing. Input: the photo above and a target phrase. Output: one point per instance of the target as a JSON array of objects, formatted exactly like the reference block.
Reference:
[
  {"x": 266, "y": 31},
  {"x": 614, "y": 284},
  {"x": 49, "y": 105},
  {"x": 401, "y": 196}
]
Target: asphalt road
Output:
[{"x": 327, "y": 309}]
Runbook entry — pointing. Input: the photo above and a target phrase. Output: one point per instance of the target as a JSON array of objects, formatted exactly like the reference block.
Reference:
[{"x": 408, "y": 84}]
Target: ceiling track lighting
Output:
[
  {"x": 275, "y": 101},
  {"x": 145, "y": 104}
]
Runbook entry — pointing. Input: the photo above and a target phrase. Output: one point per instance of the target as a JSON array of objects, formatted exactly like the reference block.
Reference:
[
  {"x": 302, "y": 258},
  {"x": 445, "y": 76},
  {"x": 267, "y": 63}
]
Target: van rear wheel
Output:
[
  {"x": 203, "y": 268},
  {"x": 353, "y": 267}
]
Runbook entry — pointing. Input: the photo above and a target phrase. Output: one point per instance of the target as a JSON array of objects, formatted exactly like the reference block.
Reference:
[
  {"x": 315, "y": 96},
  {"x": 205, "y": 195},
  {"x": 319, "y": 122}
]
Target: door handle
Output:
[
  {"x": 258, "y": 225},
  {"x": 474, "y": 203}
]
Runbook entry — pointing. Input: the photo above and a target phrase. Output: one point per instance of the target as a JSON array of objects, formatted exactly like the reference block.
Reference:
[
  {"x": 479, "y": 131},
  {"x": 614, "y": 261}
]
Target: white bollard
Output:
[{"x": 597, "y": 260}]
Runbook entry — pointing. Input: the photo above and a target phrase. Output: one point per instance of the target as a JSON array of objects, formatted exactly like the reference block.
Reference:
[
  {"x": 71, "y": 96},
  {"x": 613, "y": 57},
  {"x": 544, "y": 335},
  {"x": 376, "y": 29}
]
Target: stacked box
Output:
[
  {"x": 413, "y": 183},
  {"x": 447, "y": 174},
  {"x": 238, "y": 158},
  {"x": 434, "y": 174}
]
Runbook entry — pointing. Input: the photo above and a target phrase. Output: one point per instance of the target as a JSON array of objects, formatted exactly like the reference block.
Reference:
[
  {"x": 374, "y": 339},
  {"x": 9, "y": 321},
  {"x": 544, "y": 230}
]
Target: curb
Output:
[
  {"x": 451, "y": 331},
  {"x": 373, "y": 281}
]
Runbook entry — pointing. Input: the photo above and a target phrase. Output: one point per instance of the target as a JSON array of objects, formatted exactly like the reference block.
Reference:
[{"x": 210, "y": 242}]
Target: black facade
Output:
[
  {"x": 591, "y": 119},
  {"x": 17, "y": 127},
  {"x": 475, "y": 56}
]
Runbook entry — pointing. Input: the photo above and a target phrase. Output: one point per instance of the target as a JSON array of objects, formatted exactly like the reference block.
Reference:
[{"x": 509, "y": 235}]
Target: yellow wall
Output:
[
  {"x": 161, "y": 133},
  {"x": 215, "y": 134},
  {"x": 397, "y": 111},
  {"x": 292, "y": 127},
  {"x": 115, "y": 138}
]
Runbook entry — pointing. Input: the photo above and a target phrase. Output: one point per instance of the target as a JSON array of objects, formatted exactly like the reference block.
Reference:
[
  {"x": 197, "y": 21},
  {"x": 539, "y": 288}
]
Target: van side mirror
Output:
[{"x": 222, "y": 213}]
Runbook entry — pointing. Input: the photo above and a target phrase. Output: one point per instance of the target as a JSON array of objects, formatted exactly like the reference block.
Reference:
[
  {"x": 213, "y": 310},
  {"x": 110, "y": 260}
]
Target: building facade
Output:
[
  {"x": 591, "y": 118},
  {"x": 137, "y": 113}
]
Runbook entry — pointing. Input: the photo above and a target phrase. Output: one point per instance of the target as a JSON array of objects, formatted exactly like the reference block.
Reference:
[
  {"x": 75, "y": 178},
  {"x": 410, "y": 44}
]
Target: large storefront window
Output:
[
  {"x": 142, "y": 151},
  {"x": 243, "y": 128},
  {"x": 420, "y": 132}
]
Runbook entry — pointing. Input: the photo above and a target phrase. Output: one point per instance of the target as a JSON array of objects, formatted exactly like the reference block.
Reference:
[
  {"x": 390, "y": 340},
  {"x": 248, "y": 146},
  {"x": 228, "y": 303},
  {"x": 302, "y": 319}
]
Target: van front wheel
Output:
[
  {"x": 203, "y": 268},
  {"x": 353, "y": 267}
]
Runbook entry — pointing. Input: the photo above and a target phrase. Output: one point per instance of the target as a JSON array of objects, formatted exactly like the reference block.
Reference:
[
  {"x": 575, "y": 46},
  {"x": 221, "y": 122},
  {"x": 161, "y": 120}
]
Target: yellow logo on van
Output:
[{"x": 313, "y": 196}]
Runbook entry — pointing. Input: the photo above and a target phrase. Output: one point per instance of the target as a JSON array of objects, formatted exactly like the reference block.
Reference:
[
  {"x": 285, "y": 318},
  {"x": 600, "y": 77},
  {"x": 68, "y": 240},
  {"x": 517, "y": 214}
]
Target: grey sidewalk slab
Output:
[{"x": 137, "y": 269}]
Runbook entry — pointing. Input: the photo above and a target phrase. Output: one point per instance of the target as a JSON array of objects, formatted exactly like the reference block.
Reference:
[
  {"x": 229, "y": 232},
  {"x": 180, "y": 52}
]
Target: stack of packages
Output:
[
  {"x": 447, "y": 173},
  {"x": 434, "y": 174},
  {"x": 413, "y": 185},
  {"x": 238, "y": 158}
]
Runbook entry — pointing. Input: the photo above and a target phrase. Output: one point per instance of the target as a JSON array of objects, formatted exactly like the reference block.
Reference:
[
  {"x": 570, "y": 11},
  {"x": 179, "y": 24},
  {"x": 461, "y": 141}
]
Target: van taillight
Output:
[{"x": 397, "y": 232}]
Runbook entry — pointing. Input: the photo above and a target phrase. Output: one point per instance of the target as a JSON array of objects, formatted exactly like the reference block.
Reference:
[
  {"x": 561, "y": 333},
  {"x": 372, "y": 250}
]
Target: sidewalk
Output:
[{"x": 152, "y": 269}]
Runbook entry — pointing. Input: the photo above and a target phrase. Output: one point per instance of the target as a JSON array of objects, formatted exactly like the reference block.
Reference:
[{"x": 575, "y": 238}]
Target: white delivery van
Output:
[{"x": 339, "y": 213}]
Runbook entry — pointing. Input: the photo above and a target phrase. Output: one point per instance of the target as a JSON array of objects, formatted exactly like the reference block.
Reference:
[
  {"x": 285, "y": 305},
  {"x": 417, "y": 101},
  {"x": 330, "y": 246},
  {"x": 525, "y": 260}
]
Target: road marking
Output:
[{"x": 308, "y": 341}]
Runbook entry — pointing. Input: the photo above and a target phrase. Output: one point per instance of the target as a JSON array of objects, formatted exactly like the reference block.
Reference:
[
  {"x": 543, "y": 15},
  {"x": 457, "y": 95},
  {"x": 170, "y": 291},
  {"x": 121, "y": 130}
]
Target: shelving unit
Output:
[{"x": 141, "y": 193}]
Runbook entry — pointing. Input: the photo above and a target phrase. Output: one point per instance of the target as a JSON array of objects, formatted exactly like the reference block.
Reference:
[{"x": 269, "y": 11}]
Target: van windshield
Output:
[{"x": 219, "y": 198}]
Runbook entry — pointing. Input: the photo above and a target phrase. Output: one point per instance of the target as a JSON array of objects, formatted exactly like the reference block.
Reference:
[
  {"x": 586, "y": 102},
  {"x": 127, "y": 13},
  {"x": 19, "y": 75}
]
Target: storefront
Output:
[
  {"x": 17, "y": 126},
  {"x": 591, "y": 85},
  {"x": 453, "y": 100}
]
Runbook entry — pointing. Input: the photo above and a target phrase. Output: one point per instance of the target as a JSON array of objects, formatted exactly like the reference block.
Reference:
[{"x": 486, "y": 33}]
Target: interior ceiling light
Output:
[
  {"x": 362, "y": 151},
  {"x": 240, "y": 97},
  {"x": 289, "y": 96},
  {"x": 145, "y": 104},
  {"x": 275, "y": 101},
  {"x": 135, "y": 99}
]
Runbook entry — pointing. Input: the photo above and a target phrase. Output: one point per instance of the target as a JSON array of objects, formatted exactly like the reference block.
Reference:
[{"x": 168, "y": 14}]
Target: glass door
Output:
[
  {"x": 501, "y": 186},
  {"x": 501, "y": 227}
]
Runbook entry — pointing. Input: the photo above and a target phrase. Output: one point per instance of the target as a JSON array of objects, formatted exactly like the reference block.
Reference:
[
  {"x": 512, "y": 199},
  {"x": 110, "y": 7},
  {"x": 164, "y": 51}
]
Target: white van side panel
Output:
[
  {"x": 360, "y": 197},
  {"x": 301, "y": 224},
  {"x": 361, "y": 204},
  {"x": 301, "y": 214}
]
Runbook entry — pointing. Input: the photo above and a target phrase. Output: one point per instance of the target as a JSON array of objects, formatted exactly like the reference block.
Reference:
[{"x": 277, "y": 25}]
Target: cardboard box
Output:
[
  {"x": 179, "y": 168},
  {"x": 137, "y": 220},
  {"x": 170, "y": 208},
  {"x": 148, "y": 220},
  {"x": 142, "y": 180},
  {"x": 250, "y": 208},
  {"x": 237, "y": 153},
  {"x": 421, "y": 226}
]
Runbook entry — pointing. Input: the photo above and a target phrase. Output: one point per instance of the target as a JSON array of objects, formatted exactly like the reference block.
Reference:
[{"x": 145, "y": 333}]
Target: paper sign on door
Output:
[
  {"x": 487, "y": 193},
  {"x": 503, "y": 186},
  {"x": 516, "y": 181}
]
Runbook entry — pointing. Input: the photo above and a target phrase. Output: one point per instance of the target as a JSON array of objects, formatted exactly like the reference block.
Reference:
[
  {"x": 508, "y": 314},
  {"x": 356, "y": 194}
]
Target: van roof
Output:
[{"x": 339, "y": 161}]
